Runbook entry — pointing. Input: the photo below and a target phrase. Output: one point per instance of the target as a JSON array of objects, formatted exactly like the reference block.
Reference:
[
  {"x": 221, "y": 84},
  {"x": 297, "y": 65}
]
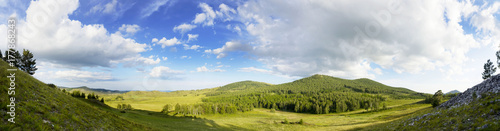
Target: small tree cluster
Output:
[
  {"x": 78, "y": 94},
  {"x": 91, "y": 96},
  {"x": 24, "y": 61},
  {"x": 124, "y": 107},
  {"x": 166, "y": 109},
  {"x": 288, "y": 122}
]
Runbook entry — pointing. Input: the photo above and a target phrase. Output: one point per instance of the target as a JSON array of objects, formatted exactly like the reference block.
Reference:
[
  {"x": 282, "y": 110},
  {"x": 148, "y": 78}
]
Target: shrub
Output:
[
  {"x": 51, "y": 85},
  {"x": 273, "y": 110},
  {"x": 301, "y": 122}
]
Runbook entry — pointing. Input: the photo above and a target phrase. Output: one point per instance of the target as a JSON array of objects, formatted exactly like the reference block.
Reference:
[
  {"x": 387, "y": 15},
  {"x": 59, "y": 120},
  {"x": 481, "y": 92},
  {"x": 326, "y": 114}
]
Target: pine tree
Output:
[
  {"x": 489, "y": 69},
  {"x": 28, "y": 63},
  {"x": 102, "y": 100}
]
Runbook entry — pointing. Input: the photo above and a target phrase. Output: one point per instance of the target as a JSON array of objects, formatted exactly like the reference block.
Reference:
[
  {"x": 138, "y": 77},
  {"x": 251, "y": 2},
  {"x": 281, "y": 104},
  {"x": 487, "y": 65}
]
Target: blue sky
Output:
[{"x": 196, "y": 44}]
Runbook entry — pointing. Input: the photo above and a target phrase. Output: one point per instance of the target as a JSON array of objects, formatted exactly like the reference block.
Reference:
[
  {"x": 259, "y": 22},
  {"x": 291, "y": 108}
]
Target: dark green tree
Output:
[
  {"x": 489, "y": 69},
  {"x": 102, "y": 100},
  {"x": 28, "y": 64},
  {"x": 436, "y": 98}
]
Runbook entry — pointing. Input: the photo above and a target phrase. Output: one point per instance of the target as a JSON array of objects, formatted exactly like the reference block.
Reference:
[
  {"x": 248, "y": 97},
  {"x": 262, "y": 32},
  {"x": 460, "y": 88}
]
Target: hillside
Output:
[
  {"x": 318, "y": 94},
  {"x": 40, "y": 107},
  {"x": 477, "y": 108}
]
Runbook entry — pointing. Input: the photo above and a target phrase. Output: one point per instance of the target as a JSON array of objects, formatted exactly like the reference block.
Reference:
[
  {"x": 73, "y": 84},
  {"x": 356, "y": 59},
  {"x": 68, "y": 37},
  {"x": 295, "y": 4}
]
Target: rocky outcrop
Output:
[{"x": 491, "y": 85}]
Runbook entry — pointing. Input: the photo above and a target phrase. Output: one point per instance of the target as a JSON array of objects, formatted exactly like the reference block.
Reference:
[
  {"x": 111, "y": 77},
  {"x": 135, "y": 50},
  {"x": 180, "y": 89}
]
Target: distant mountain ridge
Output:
[
  {"x": 86, "y": 89},
  {"x": 453, "y": 92}
]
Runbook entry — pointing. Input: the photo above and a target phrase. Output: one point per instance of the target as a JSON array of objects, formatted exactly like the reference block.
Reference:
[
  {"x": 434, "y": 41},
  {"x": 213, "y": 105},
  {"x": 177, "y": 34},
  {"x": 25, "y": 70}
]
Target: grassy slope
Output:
[
  {"x": 39, "y": 107},
  {"x": 482, "y": 114}
]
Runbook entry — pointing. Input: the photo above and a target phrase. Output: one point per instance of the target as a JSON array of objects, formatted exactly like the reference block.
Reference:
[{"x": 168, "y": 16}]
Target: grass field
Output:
[{"x": 148, "y": 105}]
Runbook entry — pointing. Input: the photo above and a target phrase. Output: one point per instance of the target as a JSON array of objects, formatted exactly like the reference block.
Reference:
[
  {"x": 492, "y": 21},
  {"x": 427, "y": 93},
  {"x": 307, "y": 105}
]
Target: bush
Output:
[
  {"x": 301, "y": 122},
  {"x": 51, "y": 85},
  {"x": 273, "y": 110}
]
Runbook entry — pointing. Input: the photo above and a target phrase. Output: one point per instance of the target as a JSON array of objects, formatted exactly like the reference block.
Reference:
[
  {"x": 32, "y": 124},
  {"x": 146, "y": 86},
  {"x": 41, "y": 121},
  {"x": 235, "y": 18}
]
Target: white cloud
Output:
[
  {"x": 129, "y": 30},
  {"x": 164, "y": 72},
  {"x": 166, "y": 42},
  {"x": 192, "y": 37},
  {"x": 183, "y": 28},
  {"x": 153, "y": 7},
  {"x": 53, "y": 37},
  {"x": 114, "y": 8},
  {"x": 348, "y": 38},
  {"x": 208, "y": 14},
  {"x": 193, "y": 47},
  {"x": 229, "y": 47},
  {"x": 76, "y": 76},
  {"x": 164, "y": 58},
  {"x": 138, "y": 60},
  {"x": 185, "y": 57},
  {"x": 253, "y": 69},
  {"x": 205, "y": 69}
]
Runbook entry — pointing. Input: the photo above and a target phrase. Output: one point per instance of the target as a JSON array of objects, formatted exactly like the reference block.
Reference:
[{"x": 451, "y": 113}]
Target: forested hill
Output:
[
  {"x": 315, "y": 94},
  {"x": 39, "y": 106}
]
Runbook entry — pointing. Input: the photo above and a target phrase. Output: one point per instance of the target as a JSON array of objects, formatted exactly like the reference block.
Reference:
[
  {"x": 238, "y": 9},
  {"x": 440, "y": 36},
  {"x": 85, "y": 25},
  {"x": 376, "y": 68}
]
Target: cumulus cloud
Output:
[
  {"x": 350, "y": 38},
  {"x": 129, "y": 30},
  {"x": 166, "y": 42},
  {"x": 164, "y": 72},
  {"x": 76, "y": 76},
  {"x": 193, "y": 47},
  {"x": 53, "y": 37},
  {"x": 183, "y": 28},
  {"x": 229, "y": 47},
  {"x": 208, "y": 14},
  {"x": 205, "y": 69}
]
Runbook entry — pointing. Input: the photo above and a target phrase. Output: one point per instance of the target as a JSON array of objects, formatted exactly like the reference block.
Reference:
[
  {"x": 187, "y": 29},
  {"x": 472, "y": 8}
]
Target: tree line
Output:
[
  {"x": 204, "y": 108},
  {"x": 24, "y": 61},
  {"x": 90, "y": 96}
]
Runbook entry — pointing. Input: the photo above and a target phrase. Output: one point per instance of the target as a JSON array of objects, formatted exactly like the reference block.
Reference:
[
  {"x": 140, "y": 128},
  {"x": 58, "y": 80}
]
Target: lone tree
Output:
[
  {"x": 489, "y": 69},
  {"x": 28, "y": 63},
  {"x": 436, "y": 98}
]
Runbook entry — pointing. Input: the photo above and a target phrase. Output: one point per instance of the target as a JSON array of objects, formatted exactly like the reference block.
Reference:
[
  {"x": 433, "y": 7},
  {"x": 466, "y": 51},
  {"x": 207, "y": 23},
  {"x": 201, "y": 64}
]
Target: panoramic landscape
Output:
[{"x": 254, "y": 65}]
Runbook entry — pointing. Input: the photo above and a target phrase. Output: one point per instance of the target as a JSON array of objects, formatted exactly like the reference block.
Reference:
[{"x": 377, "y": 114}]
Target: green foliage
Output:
[
  {"x": 489, "y": 69},
  {"x": 436, "y": 98},
  {"x": 166, "y": 109},
  {"x": 28, "y": 64},
  {"x": 51, "y": 85},
  {"x": 301, "y": 122}
]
